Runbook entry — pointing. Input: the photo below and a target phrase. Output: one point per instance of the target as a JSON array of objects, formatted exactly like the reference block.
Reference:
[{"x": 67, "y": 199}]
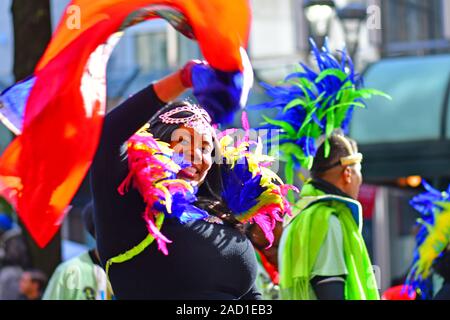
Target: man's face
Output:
[
  {"x": 26, "y": 284},
  {"x": 355, "y": 181}
]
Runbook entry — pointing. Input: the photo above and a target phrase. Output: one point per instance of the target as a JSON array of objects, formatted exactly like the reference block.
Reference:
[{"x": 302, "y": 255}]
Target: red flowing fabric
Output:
[
  {"x": 271, "y": 270},
  {"x": 43, "y": 167}
]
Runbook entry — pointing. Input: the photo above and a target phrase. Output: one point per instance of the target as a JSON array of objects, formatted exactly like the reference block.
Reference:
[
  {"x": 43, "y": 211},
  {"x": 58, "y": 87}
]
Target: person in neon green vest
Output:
[
  {"x": 322, "y": 254},
  {"x": 82, "y": 277}
]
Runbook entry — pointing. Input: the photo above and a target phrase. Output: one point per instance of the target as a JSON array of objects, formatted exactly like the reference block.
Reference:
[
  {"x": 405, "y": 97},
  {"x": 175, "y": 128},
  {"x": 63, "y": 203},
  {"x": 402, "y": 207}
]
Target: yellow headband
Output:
[{"x": 353, "y": 158}]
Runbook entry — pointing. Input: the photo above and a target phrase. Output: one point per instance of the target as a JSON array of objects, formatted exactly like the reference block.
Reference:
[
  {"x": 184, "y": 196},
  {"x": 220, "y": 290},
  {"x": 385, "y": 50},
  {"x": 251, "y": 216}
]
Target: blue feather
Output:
[
  {"x": 218, "y": 92},
  {"x": 182, "y": 208},
  {"x": 426, "y": 204},
  {"x": 241, "y": 189},
  {"x": 346, "y": 123},
  {"x": 318, "y": 98}
]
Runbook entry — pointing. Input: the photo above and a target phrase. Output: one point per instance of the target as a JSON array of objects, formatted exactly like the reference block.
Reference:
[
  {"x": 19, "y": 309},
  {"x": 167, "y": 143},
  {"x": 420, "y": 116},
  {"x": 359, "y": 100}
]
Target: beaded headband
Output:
[
  {"x": 353, "y": 157},
  {"x": 200, "y": 119}
]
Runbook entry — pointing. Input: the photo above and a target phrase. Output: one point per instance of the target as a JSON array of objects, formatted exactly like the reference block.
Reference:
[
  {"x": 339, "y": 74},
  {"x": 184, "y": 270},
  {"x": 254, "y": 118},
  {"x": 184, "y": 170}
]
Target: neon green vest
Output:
[{"x": 304, "y": 235}]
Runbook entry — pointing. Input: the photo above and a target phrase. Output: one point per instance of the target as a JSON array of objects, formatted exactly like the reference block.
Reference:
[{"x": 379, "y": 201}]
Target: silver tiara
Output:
[{"x": 200, "y": 119}]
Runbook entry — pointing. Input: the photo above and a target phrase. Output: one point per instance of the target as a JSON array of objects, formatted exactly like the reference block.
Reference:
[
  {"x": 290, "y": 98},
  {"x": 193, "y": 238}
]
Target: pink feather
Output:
[
  {"x": 245, "y": 125},
  {"x": 145, "y": 170}
]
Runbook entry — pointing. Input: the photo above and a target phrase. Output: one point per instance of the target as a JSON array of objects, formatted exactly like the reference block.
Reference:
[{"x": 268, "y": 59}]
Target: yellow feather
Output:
[
  {"x": 167, "y": 196},
  {"x": 436, "y": 242}
]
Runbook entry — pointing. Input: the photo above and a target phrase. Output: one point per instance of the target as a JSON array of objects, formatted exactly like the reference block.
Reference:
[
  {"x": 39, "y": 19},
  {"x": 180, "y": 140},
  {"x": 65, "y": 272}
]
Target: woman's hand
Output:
[
  {"x": 186, "y": 72},
  {"x": 259, "y": 241}
]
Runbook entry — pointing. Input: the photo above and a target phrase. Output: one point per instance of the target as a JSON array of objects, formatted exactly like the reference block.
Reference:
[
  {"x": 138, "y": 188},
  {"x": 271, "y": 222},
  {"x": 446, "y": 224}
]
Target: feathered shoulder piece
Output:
[
  {"x": 153, "y": 167},
  {"x": 432, "y": 239},
  {"x": 252, "y": 191},
  {"x": 312, "y": 104}
]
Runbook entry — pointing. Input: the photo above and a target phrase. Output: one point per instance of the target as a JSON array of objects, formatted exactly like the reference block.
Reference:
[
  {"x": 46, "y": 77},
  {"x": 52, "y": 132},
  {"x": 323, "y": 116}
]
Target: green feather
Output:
[
  {"x": 294, "y": 103},
  {"x": 327, "y": 148},
  {"x": 282, "y": 124},
  {"x": 330, "y": 124},
  {"x": 302, "y": 84},
  {"x": 332, "y": 73},
  {"x": 289, "y": 171},
  {"x": 292, "y": 149},
  {"x": 341, "y": 105},
  {"x": 368, "y": 93},
  {"x": 306, "y": 123}
]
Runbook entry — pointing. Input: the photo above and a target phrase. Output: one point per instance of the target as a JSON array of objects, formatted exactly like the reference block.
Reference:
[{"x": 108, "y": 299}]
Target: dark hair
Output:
[
  {"x": 38, "y": 277},
  {"x": 16, "y": 250},
  {"x": 209, "y": 193},
  {"x": 88, "y": 219},
  {"x": 338, "y": 150}
]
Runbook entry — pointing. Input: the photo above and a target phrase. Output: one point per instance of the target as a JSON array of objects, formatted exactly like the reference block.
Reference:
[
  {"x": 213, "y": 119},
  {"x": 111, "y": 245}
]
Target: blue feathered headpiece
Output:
[
  {"x": 432, "y": 238},
  {"x": 251, "y": 190},
  {"x": 312, "y": 104},
  {"x": 222, "y": 93}
]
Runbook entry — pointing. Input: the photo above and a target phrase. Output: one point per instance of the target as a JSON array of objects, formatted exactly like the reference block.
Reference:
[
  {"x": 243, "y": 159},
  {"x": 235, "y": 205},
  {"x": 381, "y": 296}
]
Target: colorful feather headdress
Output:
[
  {"x": 252, "y": 191},
  {"x": 432, "y": 239},
  {"x": 313, "y": 104}
]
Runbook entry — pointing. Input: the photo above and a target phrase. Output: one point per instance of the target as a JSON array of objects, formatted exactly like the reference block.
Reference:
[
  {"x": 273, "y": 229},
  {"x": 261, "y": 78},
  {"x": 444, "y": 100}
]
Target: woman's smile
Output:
[{"x": 189, "y": 173}]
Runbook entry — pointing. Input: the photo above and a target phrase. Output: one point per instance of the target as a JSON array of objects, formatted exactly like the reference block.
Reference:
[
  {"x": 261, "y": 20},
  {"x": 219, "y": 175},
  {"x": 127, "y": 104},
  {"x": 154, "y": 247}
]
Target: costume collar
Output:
[
  {"x": 325, "y": 192},
  {"x": 328, "y": 188}
]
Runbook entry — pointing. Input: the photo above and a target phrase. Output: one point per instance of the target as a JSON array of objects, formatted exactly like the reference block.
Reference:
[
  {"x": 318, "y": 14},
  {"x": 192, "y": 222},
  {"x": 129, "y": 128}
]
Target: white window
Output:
[
  {"x": 273, "y": 31},
  {"x": 151, "y": 51},
  {"x": 187, "y": 49}
]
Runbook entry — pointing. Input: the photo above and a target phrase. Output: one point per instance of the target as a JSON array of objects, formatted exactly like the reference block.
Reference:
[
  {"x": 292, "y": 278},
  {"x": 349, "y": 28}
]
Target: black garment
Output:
[
  {"x": 329, "y": 288},
  {"x": 205, "y": 261}
]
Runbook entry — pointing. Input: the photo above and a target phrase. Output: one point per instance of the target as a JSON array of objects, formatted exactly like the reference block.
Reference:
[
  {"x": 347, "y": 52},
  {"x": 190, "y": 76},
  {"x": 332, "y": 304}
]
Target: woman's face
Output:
[{"x": 197, "y": 149}]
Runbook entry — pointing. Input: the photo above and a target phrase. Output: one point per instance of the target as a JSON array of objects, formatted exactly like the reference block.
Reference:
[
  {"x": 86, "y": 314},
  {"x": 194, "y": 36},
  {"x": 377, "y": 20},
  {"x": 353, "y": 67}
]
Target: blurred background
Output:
[{"x": 401, "y": 46}]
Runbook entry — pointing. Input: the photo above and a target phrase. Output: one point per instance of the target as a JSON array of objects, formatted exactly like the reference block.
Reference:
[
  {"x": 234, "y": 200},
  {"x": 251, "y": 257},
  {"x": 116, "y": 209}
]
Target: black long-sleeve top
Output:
[{"x": 205, "y": 261}]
